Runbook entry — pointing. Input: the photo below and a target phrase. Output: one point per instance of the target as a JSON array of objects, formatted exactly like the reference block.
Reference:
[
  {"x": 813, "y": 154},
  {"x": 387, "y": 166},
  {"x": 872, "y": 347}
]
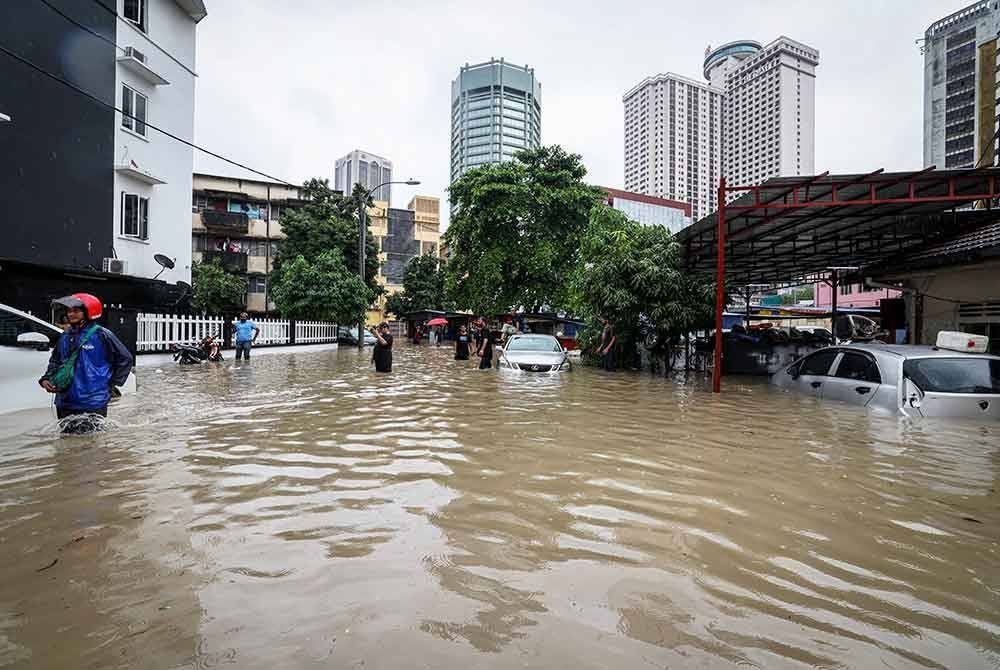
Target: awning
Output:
[{"x": 794, "y": 228}]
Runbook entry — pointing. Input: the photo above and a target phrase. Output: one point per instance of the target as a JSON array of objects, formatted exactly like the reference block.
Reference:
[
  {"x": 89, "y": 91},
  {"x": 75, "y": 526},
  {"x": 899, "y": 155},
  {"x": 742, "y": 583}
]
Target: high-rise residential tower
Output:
[
  {"x": 496, "y": 110},
  {"x": 769, "y": 116},
  {"x": 960, "y": 86},
  {"x": 369, "y": 170},
  {"x": 673, "y": 140}
]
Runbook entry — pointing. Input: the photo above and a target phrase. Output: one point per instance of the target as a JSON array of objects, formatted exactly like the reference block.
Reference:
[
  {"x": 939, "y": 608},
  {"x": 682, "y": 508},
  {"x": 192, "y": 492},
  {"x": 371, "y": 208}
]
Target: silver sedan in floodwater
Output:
[
  {"x": 533, "y": 353},
  {"x": 901, "y": 379}
]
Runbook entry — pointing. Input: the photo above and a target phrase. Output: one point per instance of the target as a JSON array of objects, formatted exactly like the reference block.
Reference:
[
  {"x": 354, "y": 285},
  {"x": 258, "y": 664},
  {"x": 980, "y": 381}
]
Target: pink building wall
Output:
[{"x": 856, "y": 298}]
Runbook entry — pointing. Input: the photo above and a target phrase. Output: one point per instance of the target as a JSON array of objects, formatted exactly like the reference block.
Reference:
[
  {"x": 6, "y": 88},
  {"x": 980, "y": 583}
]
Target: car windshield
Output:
[
  {"x": 954, "y": 375},
  {"x": 546, "y": 344}
]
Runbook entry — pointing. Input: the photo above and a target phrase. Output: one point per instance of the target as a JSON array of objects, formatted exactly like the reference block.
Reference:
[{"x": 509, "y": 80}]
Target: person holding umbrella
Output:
[{"x": 437, "y": 332}]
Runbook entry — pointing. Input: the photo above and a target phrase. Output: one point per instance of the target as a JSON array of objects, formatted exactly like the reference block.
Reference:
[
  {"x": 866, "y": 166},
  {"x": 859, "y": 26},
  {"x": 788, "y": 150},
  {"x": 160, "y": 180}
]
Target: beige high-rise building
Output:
[{"x": 402, "y": 235}]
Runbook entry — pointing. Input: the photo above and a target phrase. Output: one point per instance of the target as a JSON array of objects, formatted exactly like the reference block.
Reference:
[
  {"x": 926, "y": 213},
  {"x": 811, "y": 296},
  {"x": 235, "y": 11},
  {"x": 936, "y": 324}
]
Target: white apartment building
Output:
[
  {"x": 154, "y": 82},
  {"x": 960, "y": 85},
  {"x": 367, "y": 169},
  {"x": 769, "y": 125},
  {"x": 673, "y": 140}
]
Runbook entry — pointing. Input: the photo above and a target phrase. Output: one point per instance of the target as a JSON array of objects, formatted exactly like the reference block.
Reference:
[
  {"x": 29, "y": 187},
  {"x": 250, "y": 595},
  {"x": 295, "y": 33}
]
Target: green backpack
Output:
[{"x": 62, "y": 376}]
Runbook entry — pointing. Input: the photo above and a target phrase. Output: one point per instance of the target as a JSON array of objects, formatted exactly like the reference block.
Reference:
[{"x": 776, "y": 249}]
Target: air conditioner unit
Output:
[
  {"x": 115, "y": 265},
  {"x": 132, "y": 52}
]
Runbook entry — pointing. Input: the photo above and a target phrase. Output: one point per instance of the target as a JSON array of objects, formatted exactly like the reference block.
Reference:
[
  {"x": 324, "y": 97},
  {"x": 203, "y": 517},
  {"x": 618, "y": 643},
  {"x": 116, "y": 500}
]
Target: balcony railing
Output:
[
  {"x": 226, "y": 223},
  {"x": 232, "y": 261}
]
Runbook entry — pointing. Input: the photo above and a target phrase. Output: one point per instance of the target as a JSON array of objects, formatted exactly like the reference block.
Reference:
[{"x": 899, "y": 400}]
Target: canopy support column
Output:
[{"x": 720, "y": 299}]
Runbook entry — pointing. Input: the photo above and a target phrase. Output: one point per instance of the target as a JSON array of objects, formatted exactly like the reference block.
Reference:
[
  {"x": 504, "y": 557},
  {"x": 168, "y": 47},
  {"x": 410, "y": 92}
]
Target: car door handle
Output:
[
  {"x": 862, "y": 389},
  {"x": 815, "y": 385}
]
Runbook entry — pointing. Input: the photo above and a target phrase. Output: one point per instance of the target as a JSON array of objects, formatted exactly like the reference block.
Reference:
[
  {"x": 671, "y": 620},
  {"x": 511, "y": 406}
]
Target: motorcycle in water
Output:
[{"x": 208, "y": 349}]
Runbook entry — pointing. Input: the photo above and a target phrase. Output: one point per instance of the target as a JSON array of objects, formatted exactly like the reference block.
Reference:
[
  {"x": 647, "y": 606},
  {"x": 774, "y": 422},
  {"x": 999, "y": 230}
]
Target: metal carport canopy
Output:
[{"x": 794, "y": 228}]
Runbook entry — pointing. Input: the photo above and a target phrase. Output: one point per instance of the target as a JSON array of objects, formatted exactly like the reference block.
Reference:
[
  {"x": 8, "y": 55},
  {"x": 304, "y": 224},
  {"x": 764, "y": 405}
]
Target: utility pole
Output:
[{"x": 363, "y": 244}]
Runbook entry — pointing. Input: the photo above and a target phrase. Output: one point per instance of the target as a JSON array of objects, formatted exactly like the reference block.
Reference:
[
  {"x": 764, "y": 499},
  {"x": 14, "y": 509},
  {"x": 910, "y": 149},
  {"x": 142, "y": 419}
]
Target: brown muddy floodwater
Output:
[{"x": 301, "y": 512}]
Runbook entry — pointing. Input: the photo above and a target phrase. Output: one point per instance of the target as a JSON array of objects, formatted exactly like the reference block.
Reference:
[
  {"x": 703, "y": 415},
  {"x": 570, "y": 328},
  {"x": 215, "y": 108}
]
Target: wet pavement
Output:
[{"x": 301, "y": 511}]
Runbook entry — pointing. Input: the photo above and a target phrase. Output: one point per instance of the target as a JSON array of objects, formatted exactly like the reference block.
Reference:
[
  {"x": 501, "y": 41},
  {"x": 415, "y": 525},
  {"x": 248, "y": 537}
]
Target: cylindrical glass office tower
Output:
[{"x": 496, "y": 111}]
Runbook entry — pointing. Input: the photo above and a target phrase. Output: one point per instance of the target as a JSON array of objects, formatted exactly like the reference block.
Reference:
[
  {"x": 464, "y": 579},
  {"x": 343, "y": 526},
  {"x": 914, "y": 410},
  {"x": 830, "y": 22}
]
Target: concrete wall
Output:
[
  {"x": 944, "y": 290},
  {"x": 170, "y": 107}
]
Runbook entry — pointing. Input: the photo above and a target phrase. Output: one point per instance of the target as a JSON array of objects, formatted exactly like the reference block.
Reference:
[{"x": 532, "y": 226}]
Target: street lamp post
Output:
[{"x": 363, "y": 242}]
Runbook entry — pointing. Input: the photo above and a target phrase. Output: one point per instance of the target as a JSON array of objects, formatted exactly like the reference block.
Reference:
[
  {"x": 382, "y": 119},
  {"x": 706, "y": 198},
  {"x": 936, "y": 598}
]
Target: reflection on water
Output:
[{"x": 300, "y": 511}]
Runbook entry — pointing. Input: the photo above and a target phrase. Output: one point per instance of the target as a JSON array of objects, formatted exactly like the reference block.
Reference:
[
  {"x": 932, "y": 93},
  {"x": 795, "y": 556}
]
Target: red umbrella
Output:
[{"x": 439, "y": 321}]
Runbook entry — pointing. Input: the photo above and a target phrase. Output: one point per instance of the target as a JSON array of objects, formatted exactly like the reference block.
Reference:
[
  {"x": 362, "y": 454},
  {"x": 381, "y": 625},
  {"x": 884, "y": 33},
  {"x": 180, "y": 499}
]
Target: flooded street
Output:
[{"x": 300, "y": 511}]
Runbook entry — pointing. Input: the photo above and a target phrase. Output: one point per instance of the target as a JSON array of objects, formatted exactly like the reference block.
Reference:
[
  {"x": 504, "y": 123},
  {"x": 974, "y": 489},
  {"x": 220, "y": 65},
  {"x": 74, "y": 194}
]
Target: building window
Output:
[
  {"x": 134, "y": 104},
  {"x": 135, "y": 216},
  {"x": 257, "y": 284},
  {"x": 135, "y": 13}
]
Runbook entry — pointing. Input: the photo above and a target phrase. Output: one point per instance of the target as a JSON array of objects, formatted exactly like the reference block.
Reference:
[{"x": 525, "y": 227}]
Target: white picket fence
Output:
[
  {"x": 156, "y": 332},
  {"x": 272, "y": 331},
  {"x": 311, "y": 332}
]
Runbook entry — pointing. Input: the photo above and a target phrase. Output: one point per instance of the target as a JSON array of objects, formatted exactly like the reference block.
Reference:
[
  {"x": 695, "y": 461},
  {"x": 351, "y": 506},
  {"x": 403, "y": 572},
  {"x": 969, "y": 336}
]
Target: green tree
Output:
[
  {"x": 216, "y": 291},
  {"x": 633, "y": 275},
  {"x": 515, "y": 228},
  {"x": 326, "y": 220},
  {"x": 423, "y": 287},
  {"x": 323, "y": 288}
]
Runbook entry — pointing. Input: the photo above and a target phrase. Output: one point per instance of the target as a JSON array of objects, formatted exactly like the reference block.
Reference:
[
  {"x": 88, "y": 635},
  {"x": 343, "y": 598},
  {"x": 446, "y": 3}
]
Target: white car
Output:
[
  {"x": 945, "y": 380},
  {"x": 533, "y": 353},
  {"x": 25, "y": 346}
]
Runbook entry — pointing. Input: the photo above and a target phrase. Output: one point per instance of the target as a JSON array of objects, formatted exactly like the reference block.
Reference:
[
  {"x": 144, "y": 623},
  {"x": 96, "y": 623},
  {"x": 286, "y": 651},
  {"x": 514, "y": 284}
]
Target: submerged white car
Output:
[
  {"x": 942, "y": 381},
  {"x": 533, "y": 353},
  {"x": 25, "y": 346}
]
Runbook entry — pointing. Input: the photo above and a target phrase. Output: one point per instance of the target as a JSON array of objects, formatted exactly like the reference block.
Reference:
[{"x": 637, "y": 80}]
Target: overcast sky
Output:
[{"x": 289, "y": 86}]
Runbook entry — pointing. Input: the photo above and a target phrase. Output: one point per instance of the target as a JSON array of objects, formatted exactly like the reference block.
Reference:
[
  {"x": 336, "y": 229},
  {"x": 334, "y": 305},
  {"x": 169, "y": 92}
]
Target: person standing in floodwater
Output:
[
  {"x": 246, "y": 335},
  {"x": 486, "y": 348},
  {"x": 86, "y": 366},
  {"x": 382, "y": 353},
  {"x": 462, "y": 344}
]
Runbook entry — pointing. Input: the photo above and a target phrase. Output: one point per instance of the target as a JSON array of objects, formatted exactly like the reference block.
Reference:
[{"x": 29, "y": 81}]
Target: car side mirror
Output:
[{"x": 33, "y": 340}]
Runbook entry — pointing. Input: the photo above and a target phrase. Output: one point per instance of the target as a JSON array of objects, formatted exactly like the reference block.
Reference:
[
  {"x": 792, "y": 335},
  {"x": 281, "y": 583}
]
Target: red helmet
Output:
[{"x": 90, "y": 304}]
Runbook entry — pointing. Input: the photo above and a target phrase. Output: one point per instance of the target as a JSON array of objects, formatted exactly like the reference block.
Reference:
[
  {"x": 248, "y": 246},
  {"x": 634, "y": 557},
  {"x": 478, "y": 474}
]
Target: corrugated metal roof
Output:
[{"x": 797, "y": 227}]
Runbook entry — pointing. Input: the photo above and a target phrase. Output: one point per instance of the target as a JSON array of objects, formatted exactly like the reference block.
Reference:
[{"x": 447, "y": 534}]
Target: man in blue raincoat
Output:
[{"x": 102, "y": 363}]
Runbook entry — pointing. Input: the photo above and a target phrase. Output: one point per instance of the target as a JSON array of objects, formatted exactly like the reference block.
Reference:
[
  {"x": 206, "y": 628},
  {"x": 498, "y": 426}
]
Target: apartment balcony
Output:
[
  {"x": 232, "y": 261},
  {"x": 196, "y": 224},
  {"x": 258, "y": 302},
  {"x": 260, "y": 265},
  {"x": 232, "y": 224},
  {"x": 260, "y": 228}
]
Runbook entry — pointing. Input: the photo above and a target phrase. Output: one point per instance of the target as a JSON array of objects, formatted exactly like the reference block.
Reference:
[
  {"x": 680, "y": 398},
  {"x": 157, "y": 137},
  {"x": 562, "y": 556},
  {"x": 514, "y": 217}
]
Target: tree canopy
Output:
[
  {"x": 515, "y": 229},
  {"x": 633, "y": 275},
  {"x": 325, "y": 221},
  {"x": 216, "y": 290},
  {"x": 423, "y": 287},
  {"x": 323, "y": 288}
]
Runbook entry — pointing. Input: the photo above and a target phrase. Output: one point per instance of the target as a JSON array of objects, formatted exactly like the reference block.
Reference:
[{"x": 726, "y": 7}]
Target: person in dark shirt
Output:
[
  {"x": 462, "y": 344},
  {"x": 486, "y": 348},
  {"x": 382, "y": 353}
]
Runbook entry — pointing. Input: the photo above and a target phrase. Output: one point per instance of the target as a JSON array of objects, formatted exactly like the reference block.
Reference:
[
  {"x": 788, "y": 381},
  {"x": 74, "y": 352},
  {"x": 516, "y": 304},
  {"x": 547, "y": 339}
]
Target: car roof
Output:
[
  {"x": 914, "y": 350},
  {"x": 30, "y": 317}
]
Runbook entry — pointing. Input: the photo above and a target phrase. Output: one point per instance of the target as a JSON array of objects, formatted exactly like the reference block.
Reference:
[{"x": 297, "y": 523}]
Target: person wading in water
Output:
[
  {"x": 86, "y": 365},
  {"x": 382, "y": 354},
  {"x": 485, "y": 350},
  {"x": 462, "y": 344}
]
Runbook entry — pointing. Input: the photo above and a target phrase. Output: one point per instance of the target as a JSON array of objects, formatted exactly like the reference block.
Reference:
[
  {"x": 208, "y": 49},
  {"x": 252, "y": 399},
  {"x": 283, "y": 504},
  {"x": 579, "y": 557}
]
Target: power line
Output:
[
  {"x": 130, "y": 24},
  {"x": 79, "y": 90}
]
